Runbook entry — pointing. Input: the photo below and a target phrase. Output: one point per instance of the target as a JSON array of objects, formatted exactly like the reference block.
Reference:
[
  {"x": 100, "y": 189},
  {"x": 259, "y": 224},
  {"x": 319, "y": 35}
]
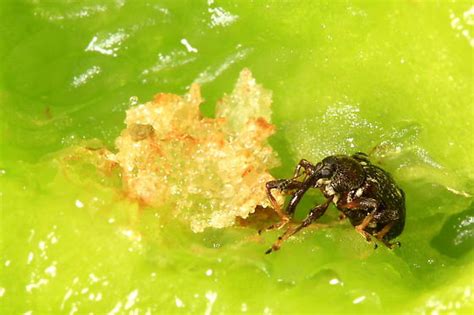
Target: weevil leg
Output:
[
  {"x": 361, "y": 204},
  {"x": 294, "y": 201},
  {"x": 313, "y": 215},
  {"x": 361, "y": 227},
  {"x": 384, "y": 230},
  {"x": 307, "y": 166},
  {"x": 296, "y": 198},
  {"x": 380, "y": 236},
  {"x": 286, "y": 186},
  {"x": 289, "y": 186}
]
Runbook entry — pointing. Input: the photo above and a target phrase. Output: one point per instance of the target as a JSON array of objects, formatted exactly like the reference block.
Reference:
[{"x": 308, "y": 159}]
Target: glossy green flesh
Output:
[{"x": 338, "y": 72}]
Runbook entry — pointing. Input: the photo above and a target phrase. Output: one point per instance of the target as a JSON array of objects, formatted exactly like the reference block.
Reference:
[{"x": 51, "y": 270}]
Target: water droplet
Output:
[
  {"x": 79, "y": 203},
  {"x": 359, "y": 299}
]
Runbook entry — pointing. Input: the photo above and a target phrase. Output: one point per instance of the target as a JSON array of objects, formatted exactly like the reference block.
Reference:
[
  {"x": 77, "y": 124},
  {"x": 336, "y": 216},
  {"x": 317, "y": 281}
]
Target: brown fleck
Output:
[{"x": 139, "y": 132}]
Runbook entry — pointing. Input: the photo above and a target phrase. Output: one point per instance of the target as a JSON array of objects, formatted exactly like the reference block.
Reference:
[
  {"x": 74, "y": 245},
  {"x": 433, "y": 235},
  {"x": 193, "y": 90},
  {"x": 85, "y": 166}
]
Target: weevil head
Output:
[{"x": 340, "y": 172}]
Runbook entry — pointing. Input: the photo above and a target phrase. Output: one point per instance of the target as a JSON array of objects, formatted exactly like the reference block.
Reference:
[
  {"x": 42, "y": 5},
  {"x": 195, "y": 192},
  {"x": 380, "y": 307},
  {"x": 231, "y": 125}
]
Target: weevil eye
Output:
[
  {"x": 323, "y": 169},
  {"x": 325, "y": 172}
]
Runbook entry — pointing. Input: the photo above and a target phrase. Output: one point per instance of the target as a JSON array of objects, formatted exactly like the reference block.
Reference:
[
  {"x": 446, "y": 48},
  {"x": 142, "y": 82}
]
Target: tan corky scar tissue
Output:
[{"x": 211, "y": 170}]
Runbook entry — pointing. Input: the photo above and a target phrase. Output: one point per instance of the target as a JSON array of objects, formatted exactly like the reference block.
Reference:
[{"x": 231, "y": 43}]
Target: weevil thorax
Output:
[{"x": 339, "y": 174}]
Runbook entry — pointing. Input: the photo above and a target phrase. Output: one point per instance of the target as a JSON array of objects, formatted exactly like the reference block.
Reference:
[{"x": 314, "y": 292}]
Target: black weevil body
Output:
[{"x": 363, "y": 192}]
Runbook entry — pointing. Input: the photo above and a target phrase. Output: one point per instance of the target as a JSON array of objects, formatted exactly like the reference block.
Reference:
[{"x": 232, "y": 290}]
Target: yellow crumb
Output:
[{"x": 212, "y": 170}]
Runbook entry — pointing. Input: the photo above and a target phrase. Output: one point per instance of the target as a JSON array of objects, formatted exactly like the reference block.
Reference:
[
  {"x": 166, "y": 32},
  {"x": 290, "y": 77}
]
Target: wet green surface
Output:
[{"x": 345, "y": 77}]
